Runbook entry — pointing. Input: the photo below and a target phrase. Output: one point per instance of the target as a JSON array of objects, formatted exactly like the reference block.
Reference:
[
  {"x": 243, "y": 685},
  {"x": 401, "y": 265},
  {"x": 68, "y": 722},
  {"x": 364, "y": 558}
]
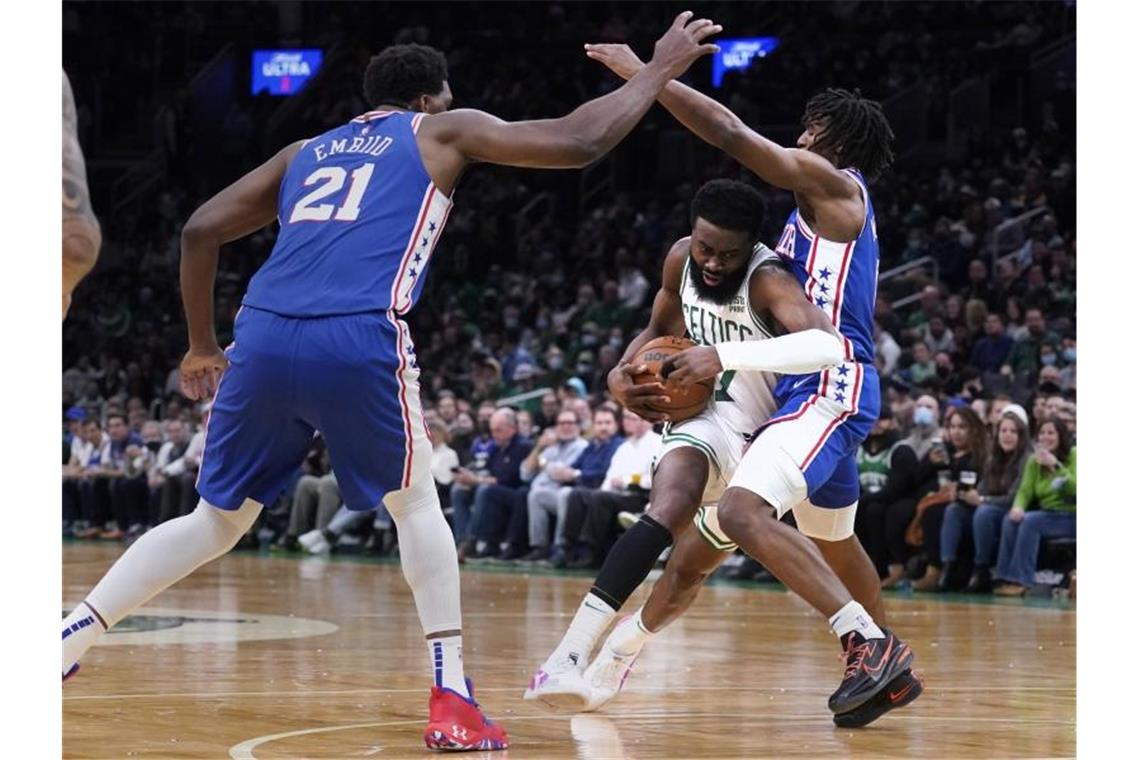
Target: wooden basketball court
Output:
[{"x": 275, "y": 657}]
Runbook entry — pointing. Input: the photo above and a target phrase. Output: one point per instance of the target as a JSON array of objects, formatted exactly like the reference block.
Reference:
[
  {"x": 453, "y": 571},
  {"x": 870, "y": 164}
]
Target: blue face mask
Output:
[
  {"x": 1049, "y": 360},
  {"x": 1069, "y": 355},
  {"x": 923, "y": 416}
]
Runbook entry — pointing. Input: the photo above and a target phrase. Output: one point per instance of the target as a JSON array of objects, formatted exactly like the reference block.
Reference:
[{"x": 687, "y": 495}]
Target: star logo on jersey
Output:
[
  {"x": 419, "y": 258},
  {"x": 431, "y": 226},
  {"x": 823, "y": 287},
  {"x": 412, "y": 273},
  {"x": 425, "y": 242},
  {"x": 839, "y": 397},
  {"x": 842, "y": 370},
  {"x": 824, "y": 273},
  {"x": 820, "y": 302},
  {"x": 841, "y": 385}
]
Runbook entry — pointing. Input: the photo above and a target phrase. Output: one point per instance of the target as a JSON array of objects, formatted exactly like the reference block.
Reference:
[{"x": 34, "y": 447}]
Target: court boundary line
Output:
[{"x": 244, "y": 750}]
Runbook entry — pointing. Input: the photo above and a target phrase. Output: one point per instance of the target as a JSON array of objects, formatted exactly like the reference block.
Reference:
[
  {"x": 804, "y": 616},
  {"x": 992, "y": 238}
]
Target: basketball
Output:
[{"x": 687, "y": 401}]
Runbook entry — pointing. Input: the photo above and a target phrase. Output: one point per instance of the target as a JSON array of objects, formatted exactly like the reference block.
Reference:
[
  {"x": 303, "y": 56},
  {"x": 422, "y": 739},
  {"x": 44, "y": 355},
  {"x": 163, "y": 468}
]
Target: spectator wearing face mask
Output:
[{"x": 894, "y": 505}]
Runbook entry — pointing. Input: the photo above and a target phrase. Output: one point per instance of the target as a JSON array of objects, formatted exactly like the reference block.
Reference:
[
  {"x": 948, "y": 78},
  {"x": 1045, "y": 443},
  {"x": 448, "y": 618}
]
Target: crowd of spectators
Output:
[{"x": 524, "y": 314}]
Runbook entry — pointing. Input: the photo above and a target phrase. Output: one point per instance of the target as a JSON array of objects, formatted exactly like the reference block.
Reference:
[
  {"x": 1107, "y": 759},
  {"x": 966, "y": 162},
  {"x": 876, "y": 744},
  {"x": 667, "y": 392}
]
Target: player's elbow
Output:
[
  {"x": 197, "y": 232},
  {"x": 581, "y": 151},
  {"x": 828, "y": 346}
]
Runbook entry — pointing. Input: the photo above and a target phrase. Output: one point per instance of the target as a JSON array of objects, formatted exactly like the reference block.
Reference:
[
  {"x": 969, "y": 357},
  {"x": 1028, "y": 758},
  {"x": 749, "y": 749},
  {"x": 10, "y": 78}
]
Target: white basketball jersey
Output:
[{"x": 743, "y": 399}]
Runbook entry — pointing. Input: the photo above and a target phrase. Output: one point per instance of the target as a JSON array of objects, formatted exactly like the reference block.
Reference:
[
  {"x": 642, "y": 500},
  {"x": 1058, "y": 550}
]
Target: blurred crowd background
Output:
[{"x": 543, "y": 277}]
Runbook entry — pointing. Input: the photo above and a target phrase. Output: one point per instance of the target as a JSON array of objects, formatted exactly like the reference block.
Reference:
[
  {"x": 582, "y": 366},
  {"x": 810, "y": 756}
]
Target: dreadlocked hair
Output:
[{"x": 854, "y": 130}]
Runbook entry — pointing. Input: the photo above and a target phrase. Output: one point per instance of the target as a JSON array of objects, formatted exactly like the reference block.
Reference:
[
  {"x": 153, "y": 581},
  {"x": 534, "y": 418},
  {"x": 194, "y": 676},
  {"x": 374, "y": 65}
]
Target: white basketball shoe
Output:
[
  {"x": 559, "y": 686},
  {"x": 607, "y": 674}
]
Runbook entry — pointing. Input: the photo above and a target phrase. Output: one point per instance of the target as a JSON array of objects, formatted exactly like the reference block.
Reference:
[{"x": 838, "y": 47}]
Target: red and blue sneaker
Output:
[{"x": 456, "y": 723}]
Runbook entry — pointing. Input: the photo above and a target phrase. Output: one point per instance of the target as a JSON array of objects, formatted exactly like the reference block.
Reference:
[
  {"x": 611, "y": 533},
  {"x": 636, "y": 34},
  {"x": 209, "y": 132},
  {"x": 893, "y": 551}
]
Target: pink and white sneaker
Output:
[
  {"x": 560, "y": 686},
  {"x": 606, "y": 675}
]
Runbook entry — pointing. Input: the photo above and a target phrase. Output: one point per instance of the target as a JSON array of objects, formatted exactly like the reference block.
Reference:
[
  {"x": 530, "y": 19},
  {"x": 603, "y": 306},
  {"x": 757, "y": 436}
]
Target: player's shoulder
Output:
[{"x": 443, "y": 125}]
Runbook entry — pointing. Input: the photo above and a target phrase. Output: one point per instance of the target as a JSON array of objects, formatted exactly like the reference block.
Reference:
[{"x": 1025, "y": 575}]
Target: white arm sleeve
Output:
[{"x": 793, "y": 354}]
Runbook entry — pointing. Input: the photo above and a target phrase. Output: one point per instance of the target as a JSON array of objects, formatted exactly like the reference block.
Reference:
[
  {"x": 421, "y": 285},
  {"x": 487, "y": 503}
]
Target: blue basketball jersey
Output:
[
  {"x": 359, "y": 219},
  {"x": 840, "y": 278}
]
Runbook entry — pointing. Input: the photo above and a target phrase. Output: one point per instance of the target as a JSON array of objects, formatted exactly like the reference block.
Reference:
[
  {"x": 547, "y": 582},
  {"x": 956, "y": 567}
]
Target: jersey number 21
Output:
[{"x": 330, "y": 179}]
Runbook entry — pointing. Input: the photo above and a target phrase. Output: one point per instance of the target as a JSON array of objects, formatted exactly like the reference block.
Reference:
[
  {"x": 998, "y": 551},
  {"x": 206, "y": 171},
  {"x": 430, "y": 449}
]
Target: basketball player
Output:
[
  {"x": 320, "y": 344},
  {"x": 803, "y": 459},
  {"x": 81, "y": 235}
]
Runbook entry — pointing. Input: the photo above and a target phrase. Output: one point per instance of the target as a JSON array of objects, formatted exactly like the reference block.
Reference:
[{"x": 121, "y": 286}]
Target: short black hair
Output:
[
  {"x": 854, "y": 130},
  {"x": 730, "y": 205},
  {"x": 401, "y": 73},
  {"x": 118, "y": 415}
]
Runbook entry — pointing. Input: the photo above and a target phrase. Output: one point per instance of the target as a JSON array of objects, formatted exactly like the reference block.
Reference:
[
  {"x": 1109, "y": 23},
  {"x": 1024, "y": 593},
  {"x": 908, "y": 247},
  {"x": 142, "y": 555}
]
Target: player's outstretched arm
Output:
[
  {"x": 591, "y": 130},
  {"x": 242, "y": 208},
  {"x": 789, "y": 168},
  {"x": 81, "y": 234}
]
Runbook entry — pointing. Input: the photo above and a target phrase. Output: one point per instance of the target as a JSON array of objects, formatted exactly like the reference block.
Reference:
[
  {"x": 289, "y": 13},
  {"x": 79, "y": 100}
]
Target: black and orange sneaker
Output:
[
  {"x": 900, "y": 692},
  {"x": 871, "y": 665}
]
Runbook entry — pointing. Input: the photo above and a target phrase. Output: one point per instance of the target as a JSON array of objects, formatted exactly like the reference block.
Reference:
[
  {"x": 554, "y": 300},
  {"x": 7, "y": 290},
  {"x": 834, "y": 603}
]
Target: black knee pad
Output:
[{"x": 630, "y": 561}]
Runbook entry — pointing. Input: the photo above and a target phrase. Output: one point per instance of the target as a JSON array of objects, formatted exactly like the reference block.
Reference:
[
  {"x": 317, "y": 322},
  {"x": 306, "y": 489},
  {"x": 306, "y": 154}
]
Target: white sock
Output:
[
  {"x": 852, "y": 617},
  {"x": 431, "y": 568},
  {"x": 159, "y": 559},
  {"x": 447, "y": 661},
  {"x": 81, "y": 629},
  {"x": 629, "y": 636},
  {"x": 592, "y": 618}
]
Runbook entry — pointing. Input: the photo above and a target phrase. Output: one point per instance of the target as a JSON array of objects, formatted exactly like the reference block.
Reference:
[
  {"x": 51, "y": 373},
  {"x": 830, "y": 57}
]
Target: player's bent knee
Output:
[
  {"x": 770, "y": 472},
  {"x": 421, "y": 495},
  {"x": 737, "y": 511},
  {"x": 228, "y": 524},
  {"x": 823, "y": 523}
]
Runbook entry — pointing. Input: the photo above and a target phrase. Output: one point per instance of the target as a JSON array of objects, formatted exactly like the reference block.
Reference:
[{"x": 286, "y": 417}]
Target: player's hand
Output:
[
  {"x": 618, "y": 58},
  {"x": 637, "y": 398},
  {"x": 200, "y": 372},
  {"x": 1016, "y": 515},
  {"x": 692, "y": 365},
  {"x": 681, "y": 44}
]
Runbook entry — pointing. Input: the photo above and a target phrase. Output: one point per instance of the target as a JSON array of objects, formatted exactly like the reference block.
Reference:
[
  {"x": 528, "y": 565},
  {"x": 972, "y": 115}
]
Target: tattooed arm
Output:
[{"x": 81, "y": 235}]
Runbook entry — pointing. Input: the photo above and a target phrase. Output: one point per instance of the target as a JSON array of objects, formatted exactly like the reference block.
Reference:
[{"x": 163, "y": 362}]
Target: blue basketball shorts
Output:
[
  {"x": 805, "y": 453},
  {"x": 353, "y": 378}
]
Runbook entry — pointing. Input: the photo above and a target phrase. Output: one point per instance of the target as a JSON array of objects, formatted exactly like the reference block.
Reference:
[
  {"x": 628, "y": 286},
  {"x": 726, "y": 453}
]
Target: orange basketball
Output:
[{"x": 686, "y": 401}]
